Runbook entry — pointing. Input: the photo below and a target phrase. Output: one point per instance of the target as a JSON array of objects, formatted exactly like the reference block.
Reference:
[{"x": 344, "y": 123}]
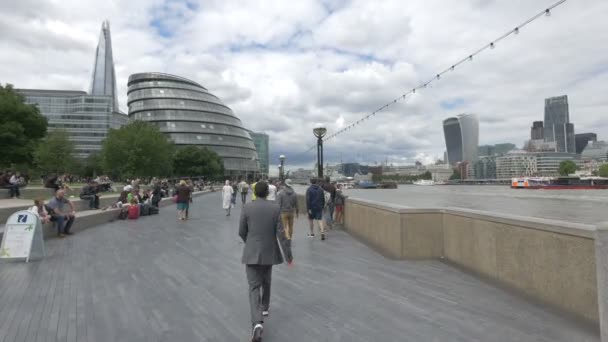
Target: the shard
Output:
[{"x": 104, "y": 77}]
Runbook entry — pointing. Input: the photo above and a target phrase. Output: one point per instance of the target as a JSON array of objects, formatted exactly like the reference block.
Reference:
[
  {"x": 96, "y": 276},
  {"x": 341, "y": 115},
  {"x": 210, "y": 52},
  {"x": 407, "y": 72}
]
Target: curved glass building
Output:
[
  {"x": 190, "y": 115},
  {"x": 461, "y": 138}
]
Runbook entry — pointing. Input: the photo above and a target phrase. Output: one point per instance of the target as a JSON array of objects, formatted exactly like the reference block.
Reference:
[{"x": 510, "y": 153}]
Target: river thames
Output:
[{"x": 581, "y": 206}]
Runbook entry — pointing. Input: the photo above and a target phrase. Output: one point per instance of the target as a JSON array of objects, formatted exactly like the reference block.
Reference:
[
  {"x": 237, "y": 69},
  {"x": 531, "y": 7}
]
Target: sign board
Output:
[{"x": 23, "y": 237}]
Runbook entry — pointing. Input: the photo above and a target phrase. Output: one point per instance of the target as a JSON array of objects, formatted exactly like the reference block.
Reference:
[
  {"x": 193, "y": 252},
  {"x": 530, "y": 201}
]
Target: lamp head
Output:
[
  {"x": 319, "y": 131},
  {"x": 282, "y": 157}
]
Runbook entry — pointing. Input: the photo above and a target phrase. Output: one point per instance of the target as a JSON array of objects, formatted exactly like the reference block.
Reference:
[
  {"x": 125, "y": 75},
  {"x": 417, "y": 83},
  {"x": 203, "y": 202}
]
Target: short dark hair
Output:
[
  {"x": 261, "y": 190},
  {"x": 313, "y": 181}
]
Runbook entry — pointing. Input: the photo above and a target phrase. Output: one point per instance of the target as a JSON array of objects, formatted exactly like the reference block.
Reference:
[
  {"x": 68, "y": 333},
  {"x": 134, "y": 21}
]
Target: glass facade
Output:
[
  {"x": 189, "y": 115},
  {"x": 461, "y": 138},
  {"x": 557, "y": 126},
  {"x": 262, "y": 145},
  {"x": 596, "y": 150},
  {"x": 103, "y": 81},
  {"x": 86, "y": 117}
]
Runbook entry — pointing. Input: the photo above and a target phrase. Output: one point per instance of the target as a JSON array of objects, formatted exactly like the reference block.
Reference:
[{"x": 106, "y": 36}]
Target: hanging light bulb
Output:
[
  {"x": 414, "y": 91},
  {"x": 470, "y": 57},
  {"x": 438, "y": 76},
  {"x": 548, "y": 12},
  {"x": 453, "y": 67},
  {"x": 516, "y": 30},
  {"x": 492, "y": 45}
]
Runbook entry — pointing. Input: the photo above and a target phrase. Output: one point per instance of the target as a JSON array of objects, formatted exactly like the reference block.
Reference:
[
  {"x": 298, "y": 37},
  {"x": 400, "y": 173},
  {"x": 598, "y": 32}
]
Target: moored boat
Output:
[{"x": 560, "y": 183}]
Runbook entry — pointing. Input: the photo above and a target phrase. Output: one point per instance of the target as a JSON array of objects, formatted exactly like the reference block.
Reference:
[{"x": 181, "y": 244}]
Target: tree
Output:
[
  {"x": 195, "y": 161},
  {"x": 21, "y": 128},
  {"x": 92, "y": 166},
  {"x": 567, "y": 167},
  {"x": 138, "y": 149},
  {"x": 604, "y": 170},
  {"x": 56, "y": 153},
  {"x": 456, "y": 175}
]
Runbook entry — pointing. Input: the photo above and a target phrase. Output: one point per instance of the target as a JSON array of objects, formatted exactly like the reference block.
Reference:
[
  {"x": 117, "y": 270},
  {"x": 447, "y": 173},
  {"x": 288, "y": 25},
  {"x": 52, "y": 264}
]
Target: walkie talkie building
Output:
[{"x": 190, "y": 115}]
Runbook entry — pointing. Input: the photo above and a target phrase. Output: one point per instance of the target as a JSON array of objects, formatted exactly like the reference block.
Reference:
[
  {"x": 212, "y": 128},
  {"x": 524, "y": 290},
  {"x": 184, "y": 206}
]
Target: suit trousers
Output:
[{"x": 259, "y": 278}]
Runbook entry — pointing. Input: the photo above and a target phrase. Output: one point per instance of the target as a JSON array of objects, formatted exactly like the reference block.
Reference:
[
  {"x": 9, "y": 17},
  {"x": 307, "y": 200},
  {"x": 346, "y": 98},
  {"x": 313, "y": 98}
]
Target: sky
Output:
[{"x": 286, "y": 66}]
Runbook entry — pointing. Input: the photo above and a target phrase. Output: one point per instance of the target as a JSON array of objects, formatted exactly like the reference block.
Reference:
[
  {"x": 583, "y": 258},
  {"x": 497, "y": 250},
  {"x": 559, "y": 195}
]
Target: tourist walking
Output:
[
  {"x": 261, "y": 230},
  {"x": 243, "y": 189},
  {"x": 62, "y": 216},
  {"x": 288, "y": 202},
  {"x": 315, "y": 202},
  {"x": 227, "y": 192},
  {"x": 272, "y": 191},
  {"x": 183, "y": 199},
  {"x": 329, "y": 205},
  {"x": 235, "y": 191},
  {"x": 339, "y": 202}
]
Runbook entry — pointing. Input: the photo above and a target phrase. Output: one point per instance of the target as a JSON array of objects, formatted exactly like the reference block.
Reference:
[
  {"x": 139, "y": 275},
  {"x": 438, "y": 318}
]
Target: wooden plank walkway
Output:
[{"x": 157, "y": 279}]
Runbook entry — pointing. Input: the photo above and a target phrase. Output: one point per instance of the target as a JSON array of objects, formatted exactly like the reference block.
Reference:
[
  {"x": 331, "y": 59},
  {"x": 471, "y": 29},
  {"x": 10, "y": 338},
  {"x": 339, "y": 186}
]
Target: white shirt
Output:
[{"x": 272, "y": 192}]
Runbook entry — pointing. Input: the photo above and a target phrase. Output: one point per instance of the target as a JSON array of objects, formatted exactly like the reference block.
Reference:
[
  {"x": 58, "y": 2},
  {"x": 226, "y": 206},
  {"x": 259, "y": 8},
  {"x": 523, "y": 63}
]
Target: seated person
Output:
[
  {"x": 40, "y": 210},
  {"x": 89, "y": 193},
  {"x": 63, "y": 213},
  {"x": 10, "y": 182}
]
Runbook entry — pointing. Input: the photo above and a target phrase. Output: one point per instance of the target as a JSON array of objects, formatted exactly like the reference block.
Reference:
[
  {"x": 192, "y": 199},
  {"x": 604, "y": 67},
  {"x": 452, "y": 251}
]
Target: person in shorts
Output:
[
  {"x": 339, "y": 202},
  {"x": 183, "y": 200},
  {"x": 315, "y": 202}
]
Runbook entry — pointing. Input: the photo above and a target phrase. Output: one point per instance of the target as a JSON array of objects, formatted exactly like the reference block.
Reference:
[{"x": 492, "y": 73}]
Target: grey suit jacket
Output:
[{"x": 262, "y": 231}]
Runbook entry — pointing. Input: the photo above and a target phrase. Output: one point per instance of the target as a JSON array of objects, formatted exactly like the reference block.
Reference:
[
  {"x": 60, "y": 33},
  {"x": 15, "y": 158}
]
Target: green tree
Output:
[
  {"x": 604, "y": 170},
  {"x": 138, "y": 149},
  {"x": 21, "y": 128},
  {"x": 193, "y": 161},
  {"x": 55, "y": 154},
  {"x": 567, "y": 167},
  {"x": 456, "y": 175},
  {"x": 93, "y": 165}
]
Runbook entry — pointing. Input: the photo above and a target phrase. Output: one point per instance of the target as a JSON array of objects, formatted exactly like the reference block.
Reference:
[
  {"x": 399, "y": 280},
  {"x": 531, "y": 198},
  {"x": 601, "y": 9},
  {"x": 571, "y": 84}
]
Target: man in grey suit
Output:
[{"x": 262, "y": 231}]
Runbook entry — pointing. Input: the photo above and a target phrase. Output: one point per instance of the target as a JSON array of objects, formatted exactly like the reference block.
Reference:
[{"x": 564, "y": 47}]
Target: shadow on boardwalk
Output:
[{"x": 157, "y": 279}]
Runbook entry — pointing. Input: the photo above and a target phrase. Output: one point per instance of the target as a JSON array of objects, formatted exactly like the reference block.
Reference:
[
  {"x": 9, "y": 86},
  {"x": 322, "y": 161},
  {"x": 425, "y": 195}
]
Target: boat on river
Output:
[
  {"x": 560, "y": 183},
  {"x": 425, "y": 182}
]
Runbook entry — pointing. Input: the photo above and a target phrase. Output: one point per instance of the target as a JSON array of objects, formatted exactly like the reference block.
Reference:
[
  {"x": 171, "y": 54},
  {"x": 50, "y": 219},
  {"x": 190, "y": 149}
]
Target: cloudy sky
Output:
[{"x": 284, "y": 66}]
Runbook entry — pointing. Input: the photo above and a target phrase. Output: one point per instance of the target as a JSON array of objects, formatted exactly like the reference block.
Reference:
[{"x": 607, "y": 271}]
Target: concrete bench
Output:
[
  {"x": 32, "y": 192},
  {"x": 90, "y": 218}
]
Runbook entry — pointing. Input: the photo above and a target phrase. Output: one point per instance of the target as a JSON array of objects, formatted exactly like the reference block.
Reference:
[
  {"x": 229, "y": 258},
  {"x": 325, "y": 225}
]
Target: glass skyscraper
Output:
[
  {"x": 461, "y": 138},
  {"x": 86, "y": 117},
  {"x": 190, "y": 115},
  {"x": 262, "y": 142},
  {"x": 557, "y": 126}
]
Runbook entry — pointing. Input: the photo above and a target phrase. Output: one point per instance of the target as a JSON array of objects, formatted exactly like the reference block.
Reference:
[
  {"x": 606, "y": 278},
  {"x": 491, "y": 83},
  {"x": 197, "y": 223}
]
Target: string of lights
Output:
[{"x": 469, "y": 58}]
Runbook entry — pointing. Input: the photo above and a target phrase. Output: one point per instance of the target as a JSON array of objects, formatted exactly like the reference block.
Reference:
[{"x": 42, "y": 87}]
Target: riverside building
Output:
[
  {"x": 86, "y": 117},
  {"x": 190, "y": 115}
]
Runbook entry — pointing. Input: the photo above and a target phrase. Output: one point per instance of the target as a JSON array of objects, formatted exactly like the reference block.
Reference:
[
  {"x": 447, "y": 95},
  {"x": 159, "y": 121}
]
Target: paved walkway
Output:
[{"x": 157, "y": 279}]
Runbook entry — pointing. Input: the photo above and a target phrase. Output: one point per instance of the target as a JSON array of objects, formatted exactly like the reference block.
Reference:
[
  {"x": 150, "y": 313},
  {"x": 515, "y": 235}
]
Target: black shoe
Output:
[
  {"x": 69, "y": 233},
  {"x": 265, "y": 313},
  {"x": 257, "y": 333},
  {"x": 322, "y": 236},
  {"x": 311, "y": 235}
]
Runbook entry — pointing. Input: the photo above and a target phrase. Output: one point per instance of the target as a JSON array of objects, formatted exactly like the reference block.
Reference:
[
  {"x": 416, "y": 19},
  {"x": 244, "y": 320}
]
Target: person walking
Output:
[
  {"x": 340, "y": 199},
  {"x": 272, "y": 191},
  {"x": 261, "y": 230},
  {"x": 227, "y": 192},
  {"x": 315, "y": 202},
  {"x": 330, "y": 204},
  {"x": 235, "y": 191},
  {"x": 288, "y": 202},
  {"x": 243, "y": 189},
  {"x": 183, "y": 199}
]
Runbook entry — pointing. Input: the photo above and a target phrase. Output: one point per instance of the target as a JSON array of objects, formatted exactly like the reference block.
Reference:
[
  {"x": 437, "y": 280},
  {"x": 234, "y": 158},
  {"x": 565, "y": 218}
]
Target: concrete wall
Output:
[{"x": 551, "y": 261}]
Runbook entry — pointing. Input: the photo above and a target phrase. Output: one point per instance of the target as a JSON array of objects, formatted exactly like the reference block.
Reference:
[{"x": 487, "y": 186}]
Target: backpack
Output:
[{"x": 133, "y": 212}]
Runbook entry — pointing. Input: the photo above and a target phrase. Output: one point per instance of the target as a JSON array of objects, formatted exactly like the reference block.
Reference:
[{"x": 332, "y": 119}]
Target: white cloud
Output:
[{"x": 284, "y": 66}]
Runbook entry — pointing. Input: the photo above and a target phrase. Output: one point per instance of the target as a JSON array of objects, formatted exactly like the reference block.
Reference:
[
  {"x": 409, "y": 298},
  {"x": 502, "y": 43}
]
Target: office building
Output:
[
  {"x": 262, "y": 145},
  {"x": 485, "y": 167},
  {"x": 537, "y": 131},
  {"x": 547, "y": 163},
  {"x": 557, "y": 126},
  {"x": 581, "y": 141},
  {"x": 191, "y": 116},
  {"x": 461, "y": 138},
  {"x": 596, "y": 150},
  {"x": 494, "y": 150},
  {"x": 539, "y": 145},
  {"x": 516, "y": 163},
  {"x": 86, "y": 117}
]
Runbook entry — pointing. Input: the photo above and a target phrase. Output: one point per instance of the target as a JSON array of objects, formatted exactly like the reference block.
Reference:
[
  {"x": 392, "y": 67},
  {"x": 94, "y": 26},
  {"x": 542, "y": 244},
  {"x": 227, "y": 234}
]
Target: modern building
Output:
[
  {"x": 581, "y": 141},
  {"x": 461, "y": 138},
  {"x": 539, "y": 145},
  {"x": 596, "y": 150},
  {"x": 516, "y": 163},
  {"x": 191, "y": 116},
  {"x": 494, "y": 150},
  {"x": 440, "y": 173},
  {"x": 557, "y": 126},
  {"x": 537, "y": 131},
  {"x": 485, "y": 167},
  {"x": 86, "y": 117},
  {"x": 262, "y": 146},
  {"x": 547, "y": 163}
]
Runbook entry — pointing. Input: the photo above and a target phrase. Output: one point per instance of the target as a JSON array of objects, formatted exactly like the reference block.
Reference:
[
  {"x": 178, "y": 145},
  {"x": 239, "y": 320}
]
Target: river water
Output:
[{"x": 581, "y": 206}]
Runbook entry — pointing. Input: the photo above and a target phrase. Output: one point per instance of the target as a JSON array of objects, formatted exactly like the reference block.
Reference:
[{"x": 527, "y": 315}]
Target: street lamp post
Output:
[
  {"x": 319, "y": 133},
  {"x": 282, "y": 168}
]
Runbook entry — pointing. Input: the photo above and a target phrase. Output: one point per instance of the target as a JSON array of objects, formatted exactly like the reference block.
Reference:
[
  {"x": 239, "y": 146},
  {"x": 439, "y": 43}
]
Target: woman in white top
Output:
[
  {"x": 227, "y": 197},
  {"x": 40, "y": 210},
  {"x": 272, "y": 192}
]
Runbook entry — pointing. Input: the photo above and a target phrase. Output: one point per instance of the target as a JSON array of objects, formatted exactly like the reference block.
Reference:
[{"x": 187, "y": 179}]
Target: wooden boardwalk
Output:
[{"x": 157, "y": 279}]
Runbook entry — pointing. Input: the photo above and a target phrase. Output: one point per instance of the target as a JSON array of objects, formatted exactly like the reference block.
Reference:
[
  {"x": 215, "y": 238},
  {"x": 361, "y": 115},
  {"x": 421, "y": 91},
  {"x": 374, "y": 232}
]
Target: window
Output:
[
  {"x": 203, "y": 126},
  {"x": 161, "y": 91},
  {"x": 199, "y": 137}
]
